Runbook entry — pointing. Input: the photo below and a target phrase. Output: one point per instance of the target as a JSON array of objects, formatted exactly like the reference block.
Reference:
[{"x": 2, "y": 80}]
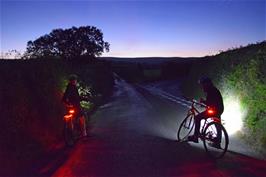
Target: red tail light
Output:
[
  {"x": 210, "y": 111},
  {"x": 71, "y": 111},
  {"x": 67, "y": 117}
]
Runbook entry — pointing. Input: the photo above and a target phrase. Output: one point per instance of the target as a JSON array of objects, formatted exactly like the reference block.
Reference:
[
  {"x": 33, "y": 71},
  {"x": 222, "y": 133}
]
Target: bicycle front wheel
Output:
[
  {"x": 185, "y": 128},
  {"x": 215, "y": 140}
]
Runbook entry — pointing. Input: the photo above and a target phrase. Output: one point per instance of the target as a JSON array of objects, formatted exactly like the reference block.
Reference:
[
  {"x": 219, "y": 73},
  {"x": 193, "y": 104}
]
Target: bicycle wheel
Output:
[
  {"x": 215, "y": 140},
  {"x": 69, "y": 134},
  {"x": 185, "y": 127}
]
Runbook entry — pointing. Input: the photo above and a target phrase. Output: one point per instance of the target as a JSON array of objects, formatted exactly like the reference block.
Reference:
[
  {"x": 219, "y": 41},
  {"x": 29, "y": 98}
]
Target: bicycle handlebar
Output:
[{"x": 194, "y": 101}]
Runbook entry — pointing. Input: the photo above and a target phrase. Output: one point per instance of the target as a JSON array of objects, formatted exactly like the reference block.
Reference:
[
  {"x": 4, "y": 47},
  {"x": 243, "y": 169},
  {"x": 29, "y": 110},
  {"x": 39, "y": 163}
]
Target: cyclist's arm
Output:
[
  {"x": 66, "y": 101},
  {"x": 203, "y": 101},
  {"x": 66, "y": 96}
]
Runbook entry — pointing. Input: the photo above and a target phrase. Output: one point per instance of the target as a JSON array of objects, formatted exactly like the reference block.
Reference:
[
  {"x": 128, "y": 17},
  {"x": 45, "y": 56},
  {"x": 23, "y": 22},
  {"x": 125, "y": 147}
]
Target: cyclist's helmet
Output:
[
  {"x": 72, "y": 77},
  {"x": 205, "y": 80}
]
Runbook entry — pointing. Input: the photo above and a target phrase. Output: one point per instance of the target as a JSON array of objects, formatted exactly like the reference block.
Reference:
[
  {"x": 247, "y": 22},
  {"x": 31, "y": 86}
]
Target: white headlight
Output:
[{"x": 233, "y": 115}]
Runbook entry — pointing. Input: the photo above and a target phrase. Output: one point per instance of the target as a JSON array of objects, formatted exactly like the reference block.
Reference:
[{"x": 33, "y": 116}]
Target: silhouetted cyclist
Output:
[
  {"x": 72, "y": 98},
  {"x": 215, "y": 101}
]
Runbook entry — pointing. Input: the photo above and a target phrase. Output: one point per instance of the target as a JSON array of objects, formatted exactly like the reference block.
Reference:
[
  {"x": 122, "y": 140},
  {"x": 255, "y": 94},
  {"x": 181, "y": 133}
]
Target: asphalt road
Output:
[{"x": 134, "y": 134}]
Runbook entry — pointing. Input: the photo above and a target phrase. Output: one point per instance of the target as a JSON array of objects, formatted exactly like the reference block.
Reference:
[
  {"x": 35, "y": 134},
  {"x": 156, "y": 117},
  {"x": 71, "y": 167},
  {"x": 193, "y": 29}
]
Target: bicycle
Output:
[
  {"x": 72, "y": 128},
  {"x": 209, "y": 130}
]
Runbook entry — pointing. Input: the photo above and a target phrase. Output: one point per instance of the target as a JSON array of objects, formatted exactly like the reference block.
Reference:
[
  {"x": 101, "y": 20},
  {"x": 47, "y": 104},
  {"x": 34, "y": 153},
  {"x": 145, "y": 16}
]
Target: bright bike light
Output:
[
  {"x": 67, "y": 117},
  {"x": 233, "y": 115},
  {"x": 210, "y": 111},
  {"x": 71, "y": 111}
]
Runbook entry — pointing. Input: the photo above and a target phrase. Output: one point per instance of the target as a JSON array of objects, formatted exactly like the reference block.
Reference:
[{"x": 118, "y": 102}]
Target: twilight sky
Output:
[{"x": 140, "y": 28}]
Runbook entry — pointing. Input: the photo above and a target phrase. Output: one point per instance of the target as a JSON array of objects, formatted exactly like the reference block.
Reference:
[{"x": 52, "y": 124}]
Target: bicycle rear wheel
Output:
[
  {"x": 185, "y": 128},
  {"x": 215, "y": 140}
]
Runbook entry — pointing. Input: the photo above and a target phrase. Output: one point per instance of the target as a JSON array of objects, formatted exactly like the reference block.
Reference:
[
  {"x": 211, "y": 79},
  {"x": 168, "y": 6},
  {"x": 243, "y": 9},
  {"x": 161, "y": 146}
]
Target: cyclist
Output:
[
  {"x": 71, "y": 97},
  {"x": 214, "y": 101}
]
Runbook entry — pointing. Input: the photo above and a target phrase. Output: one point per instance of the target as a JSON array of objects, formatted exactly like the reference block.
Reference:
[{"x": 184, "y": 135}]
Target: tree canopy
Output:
[{"x": 68, "y": 43}]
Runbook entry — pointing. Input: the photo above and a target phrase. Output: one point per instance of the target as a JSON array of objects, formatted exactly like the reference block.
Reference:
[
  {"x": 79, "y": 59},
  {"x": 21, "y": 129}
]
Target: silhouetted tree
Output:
[{"x": 68, "y": 43}]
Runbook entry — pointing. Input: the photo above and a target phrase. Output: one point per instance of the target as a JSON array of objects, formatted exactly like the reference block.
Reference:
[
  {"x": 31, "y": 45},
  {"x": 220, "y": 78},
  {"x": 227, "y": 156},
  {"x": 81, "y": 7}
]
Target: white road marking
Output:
[{"x": 168, "y": 96}]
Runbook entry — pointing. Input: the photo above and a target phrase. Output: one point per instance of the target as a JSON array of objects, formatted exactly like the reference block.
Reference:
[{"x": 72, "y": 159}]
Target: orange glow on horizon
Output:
[{"x": 158, "y": 53}]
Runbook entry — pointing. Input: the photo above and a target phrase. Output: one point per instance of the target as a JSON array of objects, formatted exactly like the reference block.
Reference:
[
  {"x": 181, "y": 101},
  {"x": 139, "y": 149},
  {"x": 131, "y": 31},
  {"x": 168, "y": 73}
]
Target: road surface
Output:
[{"x": 134, "y": 134}]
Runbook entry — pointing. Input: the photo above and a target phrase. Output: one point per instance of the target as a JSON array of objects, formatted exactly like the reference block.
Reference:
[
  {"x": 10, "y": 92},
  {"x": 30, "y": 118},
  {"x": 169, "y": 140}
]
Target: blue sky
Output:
[{"x": 140, "y": 28}]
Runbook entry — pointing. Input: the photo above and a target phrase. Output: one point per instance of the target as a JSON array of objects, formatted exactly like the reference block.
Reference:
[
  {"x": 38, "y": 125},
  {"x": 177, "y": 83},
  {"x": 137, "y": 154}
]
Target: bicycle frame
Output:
[
  {"x": 194, "y": 111},
  {"x": 69, "y": 117}
]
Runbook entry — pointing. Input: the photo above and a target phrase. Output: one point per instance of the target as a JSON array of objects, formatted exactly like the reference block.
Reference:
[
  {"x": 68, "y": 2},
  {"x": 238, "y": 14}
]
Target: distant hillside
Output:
[
  {"x": 149, "y": 60},
  {"x": 247, "y": 50},
  {"x": 150, "y": 69}
]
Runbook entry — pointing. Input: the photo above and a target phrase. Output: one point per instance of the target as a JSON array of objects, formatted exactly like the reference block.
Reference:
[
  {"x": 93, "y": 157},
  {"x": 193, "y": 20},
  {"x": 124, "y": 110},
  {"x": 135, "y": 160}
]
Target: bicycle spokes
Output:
[
  {"x": 215, "y": 140},
  {"x": 185, "y": 128},
  {"x": 188, "y": 124}
]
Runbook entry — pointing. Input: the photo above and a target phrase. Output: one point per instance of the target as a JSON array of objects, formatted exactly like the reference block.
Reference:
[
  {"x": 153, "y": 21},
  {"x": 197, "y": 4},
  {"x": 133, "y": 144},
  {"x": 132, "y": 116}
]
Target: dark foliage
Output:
[
  {"x": 68, "y": 43},
  {"x": 31, "y": 106}
]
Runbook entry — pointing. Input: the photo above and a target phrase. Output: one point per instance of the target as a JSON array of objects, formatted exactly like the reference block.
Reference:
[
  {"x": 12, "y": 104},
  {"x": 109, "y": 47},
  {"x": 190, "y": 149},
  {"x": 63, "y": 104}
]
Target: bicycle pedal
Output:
[{"x": 215, "y": 145}]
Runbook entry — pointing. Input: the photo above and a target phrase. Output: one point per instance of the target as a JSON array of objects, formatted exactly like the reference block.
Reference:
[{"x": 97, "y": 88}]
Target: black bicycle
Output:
[
  {"x": 211, "y": 130},
  {"x": 72, "y": 126}
]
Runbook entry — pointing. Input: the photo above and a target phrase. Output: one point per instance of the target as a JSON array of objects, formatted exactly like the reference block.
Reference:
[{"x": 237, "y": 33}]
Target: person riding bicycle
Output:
[
  {"x": 71, "y": 97},
  {"x": 214, "y": 101}
]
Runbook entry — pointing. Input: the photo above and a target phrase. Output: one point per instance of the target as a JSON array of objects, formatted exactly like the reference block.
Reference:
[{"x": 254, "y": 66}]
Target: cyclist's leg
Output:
[
  {"x": 80, "y": 120},
  {"x": 82, "y": 123},
  {"x": 198, "y": 119},
  {"x": 219, "y": 132}
]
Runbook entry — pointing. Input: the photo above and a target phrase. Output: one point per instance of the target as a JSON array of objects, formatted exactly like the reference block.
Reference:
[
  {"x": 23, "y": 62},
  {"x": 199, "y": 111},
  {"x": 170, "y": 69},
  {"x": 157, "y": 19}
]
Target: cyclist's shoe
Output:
[
  {"x": 193, "y": 138},
  {"x": 215, "y": 145},
  {"x": 84, "y": 133}
]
